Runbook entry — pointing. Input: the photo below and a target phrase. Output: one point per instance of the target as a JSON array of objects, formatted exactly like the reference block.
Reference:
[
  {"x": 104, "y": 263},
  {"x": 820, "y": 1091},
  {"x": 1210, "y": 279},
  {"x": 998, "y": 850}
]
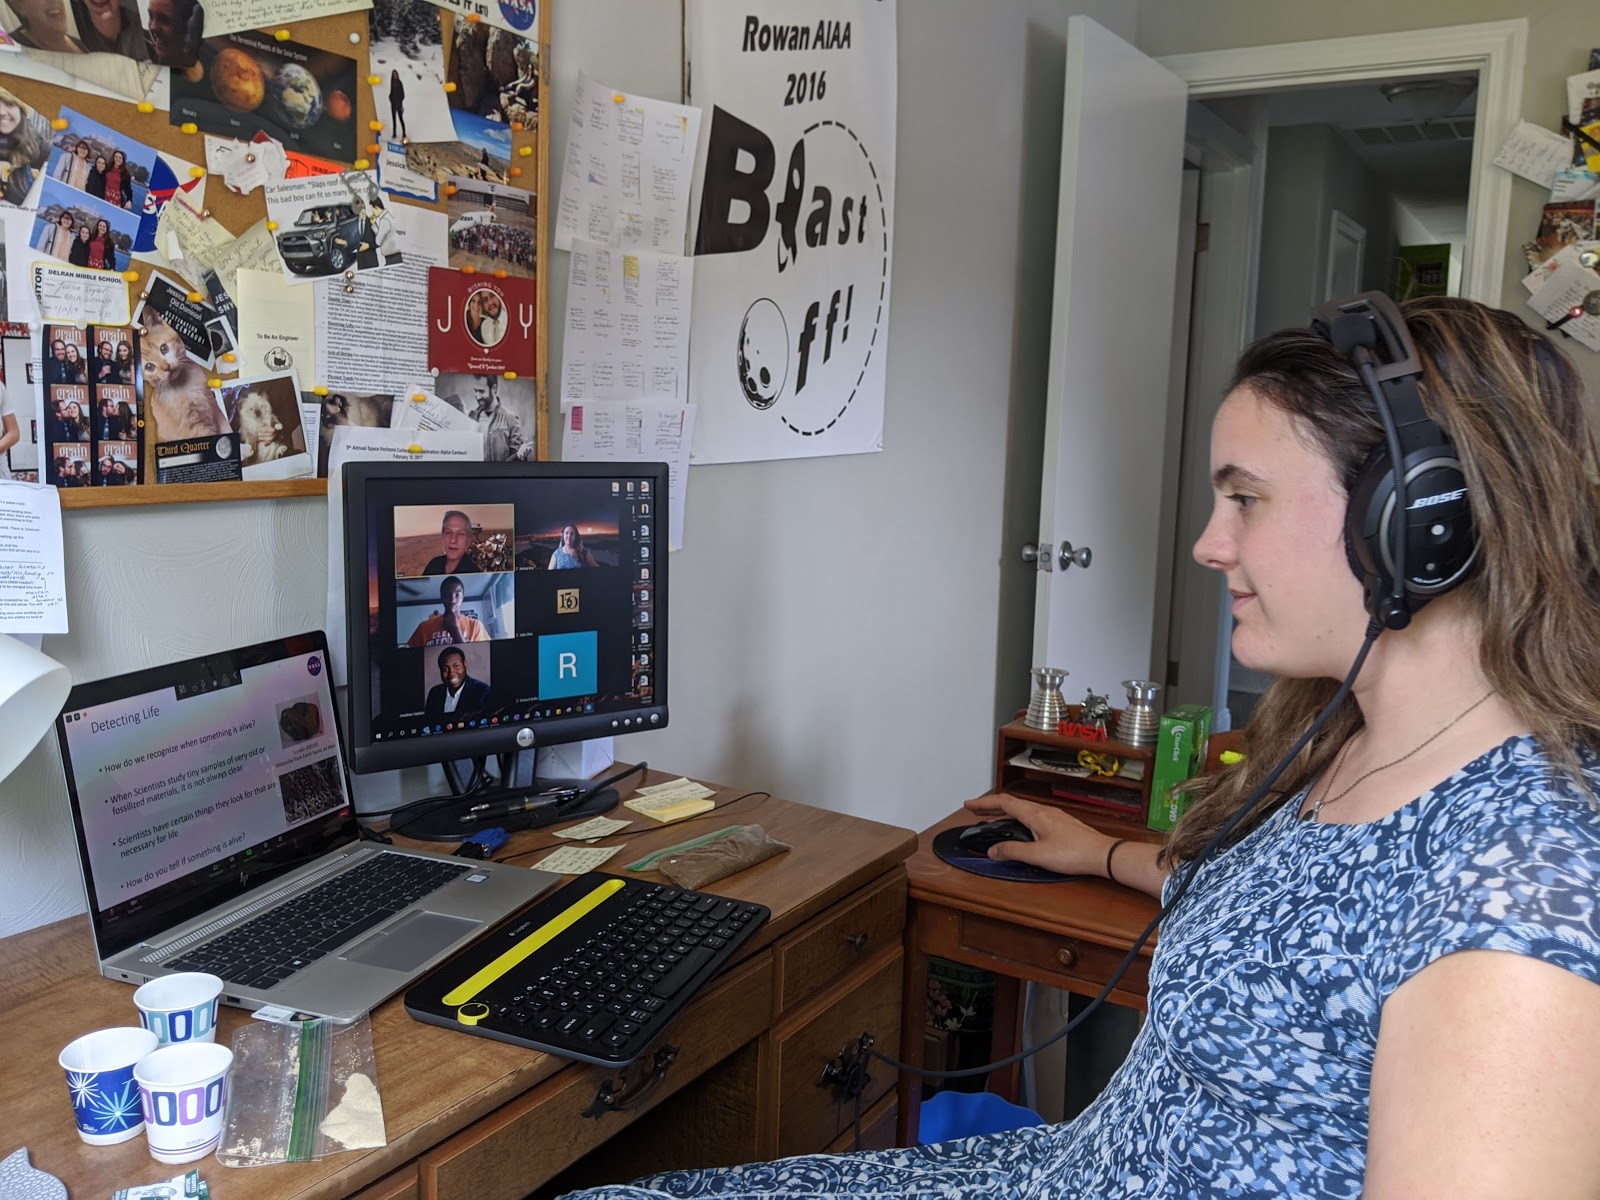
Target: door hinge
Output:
[{"x": 1202, "y": 237}]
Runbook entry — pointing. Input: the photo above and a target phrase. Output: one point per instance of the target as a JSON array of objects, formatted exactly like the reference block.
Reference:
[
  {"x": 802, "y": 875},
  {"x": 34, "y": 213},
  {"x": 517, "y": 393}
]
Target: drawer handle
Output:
[
  {"x": 617, "y": 1095},
  {"x": 858, "y": 941},
  {"x": 846, "y": 1073},
  {"x": 1067, "y": 955}
]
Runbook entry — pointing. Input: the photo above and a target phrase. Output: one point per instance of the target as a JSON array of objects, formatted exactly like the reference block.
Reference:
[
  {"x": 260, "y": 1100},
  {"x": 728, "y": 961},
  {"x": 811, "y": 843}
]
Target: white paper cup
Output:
[
  {"x": 184, "y": 1089},
  {"x": 105, "y": 1098},
  {"x": 180, "y": 1008}
]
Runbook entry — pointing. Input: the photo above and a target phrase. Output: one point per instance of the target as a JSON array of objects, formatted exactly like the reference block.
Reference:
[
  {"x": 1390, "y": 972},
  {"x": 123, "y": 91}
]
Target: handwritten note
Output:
[
  {"x": 629, "y": 166},
  {"x": 1564, "y": 289},
  {"x": 66, "y": 293},
  {"x": 627, "y": 331},
  {"x": 575, "y": 860},
  {"x": 234, "y": 16},
  {"x": 1535, "y": 153},
  {"x": 33, "y": 577},
  {"x": 635, "y": 431},
  {"x": 672, "y": 801},
  {"x": 429, "y": 412},
  {"x": 595, "y": 827}
]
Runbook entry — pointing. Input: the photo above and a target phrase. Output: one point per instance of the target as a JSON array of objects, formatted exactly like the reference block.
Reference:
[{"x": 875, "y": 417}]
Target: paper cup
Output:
[
  {"x": 105, "y": 1097},
  {"x": 180, "y": 1008},
  {"x": 184, "y": 1089}
]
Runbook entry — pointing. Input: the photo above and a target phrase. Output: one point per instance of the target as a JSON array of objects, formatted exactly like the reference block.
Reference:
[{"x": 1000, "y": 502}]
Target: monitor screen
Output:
[{"x": 494, "y": 607}]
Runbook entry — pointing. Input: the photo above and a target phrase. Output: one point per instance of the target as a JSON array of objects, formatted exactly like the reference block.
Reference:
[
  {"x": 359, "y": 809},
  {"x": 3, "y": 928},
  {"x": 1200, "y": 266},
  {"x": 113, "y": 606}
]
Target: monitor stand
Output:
[{"x": 443, "y": 822}]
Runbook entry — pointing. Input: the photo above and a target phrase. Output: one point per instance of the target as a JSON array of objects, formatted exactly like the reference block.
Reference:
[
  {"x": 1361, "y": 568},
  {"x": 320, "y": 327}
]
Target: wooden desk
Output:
[
  {"x": 473, "y": 1119},
  {"x": 1067, "y": 935}
]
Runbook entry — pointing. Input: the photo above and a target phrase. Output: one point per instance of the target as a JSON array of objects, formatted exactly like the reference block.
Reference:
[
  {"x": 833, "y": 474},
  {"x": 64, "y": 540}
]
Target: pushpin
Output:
[
  {"x": 413, "y": 449},
  {"x": 319, "y": 390},
  {"x": 355, "y": 38},
  {"x": 374, "y": 80},
  {"x": 450, "y": 189},
  {"x": 469, "y": 269},
  {"x": 450, "y": 88},
  {"x": 434, "y": 371},
  {"x": 197, "y": 172},
  {"x": 59, "y": 123},
  {"x": 419, "y": 398},
  {"x": 350, "y": 274},
  {"x": 524, "y": 151},
  {"x": 271, "y": 225},
  {"x": 515, "y": 171},
  {"x": 282, "y": 35},
  {"x": 196, "y": 297},
  {"x": 473, "y": 18},
  {"x": 501, "y": 274},
  {"x": 188, "y": 127},
  {"x": 373, "y": 148},
  {"x": 511, "y": 375},
  {"x": 618, "y": 98},
  {"x": 362, "y": 164},
  {"x": 375, "y": 126},
  {"x": 349, "y": 289},
  {"x": 229, "y": 357},
  {"x": 145, "y": 106},
  {"x": 517, "y": 127},
  {"x": 249, "y": 158},
  {"x": 1230, "y": 758},
  {"x": 131, "y": 276},
  {"x": 214, "y": 382}
]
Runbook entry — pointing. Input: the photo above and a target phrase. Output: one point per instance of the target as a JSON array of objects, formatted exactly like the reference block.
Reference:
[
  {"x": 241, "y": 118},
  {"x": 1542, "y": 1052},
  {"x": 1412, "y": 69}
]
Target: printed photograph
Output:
[
  {"x": 452, "y": 609},
  {"x": 455, "y": 680},
  {"x": 115, "y": 27},
  {"x": 311, "y": 790},
  {"x": 172, "y": 327},
  {"x": 479, "y": 325},
  {"x": 111, "y": 356},
  {"x": 117, "y": 464},
  {"x": 78, "y": 229},
  {"x": 496, "y": 74},
  {"x": 65, "y": 351},
  {"x": 265, "y": 413},
  {"x": 300, "y": 721},
  {"x": 481, "y": 150},
  {"x": 24, "y": 147},
  {"x": 1563, "y": 223},
  {"x": 67, "y": 417},
  {"x": 250, "y": 83},
  {"x": 204, "y": 458},
  {"x": 92, "y": 158},
  {"x": 492, "y": 227},
  {"x": 346, "y": 408},
  {"x": 472, "y": 539},
  {"x": 116, "y": 413},
  {"x": 69, "y": 464},
  {"x": 330, "y": 224},
  {"x": 506, "y": 411},
  {"x": 407, "y": 60}
]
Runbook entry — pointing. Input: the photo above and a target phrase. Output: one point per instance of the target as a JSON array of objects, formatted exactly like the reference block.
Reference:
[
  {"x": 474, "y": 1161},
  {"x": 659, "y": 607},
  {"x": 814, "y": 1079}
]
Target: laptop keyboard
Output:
[{"x": 266, "y": 950}]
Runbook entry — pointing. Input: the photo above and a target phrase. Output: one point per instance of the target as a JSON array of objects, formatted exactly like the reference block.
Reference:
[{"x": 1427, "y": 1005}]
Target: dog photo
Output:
[
  {"x": 265, "y": 413},
  {"x": 346, "y": 408}
]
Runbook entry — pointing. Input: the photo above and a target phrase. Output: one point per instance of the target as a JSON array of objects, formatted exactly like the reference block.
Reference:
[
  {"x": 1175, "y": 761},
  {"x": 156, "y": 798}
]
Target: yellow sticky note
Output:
[{"x": 667, "y": 808}]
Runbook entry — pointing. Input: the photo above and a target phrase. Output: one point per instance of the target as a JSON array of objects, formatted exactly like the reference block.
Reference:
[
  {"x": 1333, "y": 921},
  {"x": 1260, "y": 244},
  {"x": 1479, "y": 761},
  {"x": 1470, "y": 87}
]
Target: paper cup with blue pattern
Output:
[
  {"x": 180, "y": 1008},
  {"x": 184, "y": 1089},
  {"x": 105, "y": 1096}
]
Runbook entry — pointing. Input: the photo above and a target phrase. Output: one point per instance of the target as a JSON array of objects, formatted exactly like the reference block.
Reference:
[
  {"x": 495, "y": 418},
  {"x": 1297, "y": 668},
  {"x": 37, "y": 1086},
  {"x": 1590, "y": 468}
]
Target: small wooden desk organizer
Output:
[{"x": 1047, "y": 787}]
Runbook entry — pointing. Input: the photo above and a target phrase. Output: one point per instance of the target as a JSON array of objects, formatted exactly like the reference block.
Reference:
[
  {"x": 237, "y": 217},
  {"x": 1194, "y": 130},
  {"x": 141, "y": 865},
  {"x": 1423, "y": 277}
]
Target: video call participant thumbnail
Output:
[
  {"x": 456, "y": 542},
  {"x": 456, "y": 690},
  {"x": 451, "y": 625}
]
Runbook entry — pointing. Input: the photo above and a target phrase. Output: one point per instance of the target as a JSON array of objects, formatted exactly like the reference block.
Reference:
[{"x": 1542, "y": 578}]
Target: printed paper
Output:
[
  {"x": 64, "y": 293},
  {"x": 277, "y": 328},
  {"x": 627, "y": 329},
  {"x": 333, "y": 224},
  {"x": 33, "y": 577},
  {"x": 492, "y": 227},
  {"x": 1535, "y": 153},
  {"x": 481, "y": 325},
  {"x": 407, "y": 59},
  {"x": 635, "y": 431}
]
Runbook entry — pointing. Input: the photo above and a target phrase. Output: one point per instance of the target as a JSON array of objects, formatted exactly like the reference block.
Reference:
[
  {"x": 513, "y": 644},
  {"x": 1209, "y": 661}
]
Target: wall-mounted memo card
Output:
[{"x": 255, "y": 242}]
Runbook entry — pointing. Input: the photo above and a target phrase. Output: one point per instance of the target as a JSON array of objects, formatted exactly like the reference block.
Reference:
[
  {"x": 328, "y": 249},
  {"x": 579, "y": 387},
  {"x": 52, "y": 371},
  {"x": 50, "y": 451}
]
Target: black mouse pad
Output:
[{"x": 947, "y": 845}]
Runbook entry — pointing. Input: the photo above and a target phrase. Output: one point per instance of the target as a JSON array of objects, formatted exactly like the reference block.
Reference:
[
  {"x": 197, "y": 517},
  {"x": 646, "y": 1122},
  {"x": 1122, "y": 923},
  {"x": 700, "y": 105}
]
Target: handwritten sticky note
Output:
[
  {"x": 670, "y": 806},
  {"x": 1535, "y": 153},
  {"x": 681, "y": 788},
  {"x": 68, "y": 293},
  {"x": 574, "y": 860},
  {"x": 596, "y": 827}
]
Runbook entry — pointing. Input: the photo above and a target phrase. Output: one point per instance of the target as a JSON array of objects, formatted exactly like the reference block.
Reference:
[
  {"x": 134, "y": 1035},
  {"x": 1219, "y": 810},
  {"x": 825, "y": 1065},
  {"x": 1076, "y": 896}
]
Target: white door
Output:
[{"x": 1110, "y": 349}]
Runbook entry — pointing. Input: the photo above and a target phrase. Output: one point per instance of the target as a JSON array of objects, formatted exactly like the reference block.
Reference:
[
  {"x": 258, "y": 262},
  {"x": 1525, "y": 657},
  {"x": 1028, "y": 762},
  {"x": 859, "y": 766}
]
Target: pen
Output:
[{"x": 506, "y": 808}]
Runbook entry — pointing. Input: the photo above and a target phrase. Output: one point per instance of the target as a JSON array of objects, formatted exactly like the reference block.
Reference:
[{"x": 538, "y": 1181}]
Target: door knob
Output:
[{"x": 1082, "y": 556}]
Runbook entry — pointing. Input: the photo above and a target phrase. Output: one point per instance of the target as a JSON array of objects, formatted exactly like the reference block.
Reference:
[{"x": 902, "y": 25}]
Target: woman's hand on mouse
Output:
[{"x": 1061, "y": 842}]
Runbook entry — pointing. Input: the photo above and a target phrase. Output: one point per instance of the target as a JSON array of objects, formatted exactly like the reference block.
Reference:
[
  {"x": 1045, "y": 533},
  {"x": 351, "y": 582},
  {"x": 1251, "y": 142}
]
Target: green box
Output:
[{"x": 1180, "y": 753}]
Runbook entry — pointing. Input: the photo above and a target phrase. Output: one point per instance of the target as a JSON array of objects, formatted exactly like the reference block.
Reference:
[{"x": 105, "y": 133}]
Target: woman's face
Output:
[
  {"x": 48, "y": 17},
  {"x": 10, "y": 117},
  {"x": 102, "y": 227},
  {"x": 124, "y": 352},
  {"x": 569, "y": 537},
  {"x": 118, "y": 159},
  {"x": 72, "y": 357},
  {"x": 82, "y": 150},
  {"x": 1277, "y": 532},
  {"x": 64, "y": 220},
  {"x": 106, "y": 15},
  {"x": 83, "y": 233},
  {"x": 100, "y": 162}
]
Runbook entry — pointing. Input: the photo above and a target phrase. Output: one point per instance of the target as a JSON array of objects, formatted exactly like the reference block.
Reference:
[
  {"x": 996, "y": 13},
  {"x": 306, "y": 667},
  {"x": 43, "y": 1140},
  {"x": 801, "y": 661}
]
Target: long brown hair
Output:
[{"x": 1513, "y": 404}]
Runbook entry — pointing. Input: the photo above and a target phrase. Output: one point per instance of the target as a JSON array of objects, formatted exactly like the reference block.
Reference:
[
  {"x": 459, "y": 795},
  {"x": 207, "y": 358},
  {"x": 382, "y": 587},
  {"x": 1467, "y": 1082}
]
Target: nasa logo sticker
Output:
[
  {"x": 314, "y": 665},
  {"x": 520, "y": 15}
]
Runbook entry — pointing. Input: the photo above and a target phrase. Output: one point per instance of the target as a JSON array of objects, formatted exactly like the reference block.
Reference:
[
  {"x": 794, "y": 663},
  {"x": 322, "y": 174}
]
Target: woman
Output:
[
  {"x": 105, "y": 368},
  {"x": 1387, "y": 984},
  {"x": 101, "y": 248},
  {"x": 117, "y": 184},
  {"x": 74, "y": 368},
  {"x": 58, "y": 239},
  {"x": 24, "y": 147},
  {"x": 42, "y": 25},
  {"x": 124, "y": 362},
  {"x": 73, "y": 169},
  {"x": 78, "y": 256},
  {"x": 570, "y": 552},
  {"x": 110, "y": 27},
  {"x": 95, "y": 185},
  {"x": 397, "y": 106}
]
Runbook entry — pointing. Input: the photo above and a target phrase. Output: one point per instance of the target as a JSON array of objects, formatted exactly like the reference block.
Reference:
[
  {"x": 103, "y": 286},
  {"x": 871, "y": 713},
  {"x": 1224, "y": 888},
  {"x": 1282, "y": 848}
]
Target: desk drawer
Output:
[
  {"x": 1075, "y": 959},
  {"x": 811, "y": 1117},
  {"x": 401, "y": 1185},
  {"x": 847, "y": 934},
  {"x": 510, "y": 1152}
]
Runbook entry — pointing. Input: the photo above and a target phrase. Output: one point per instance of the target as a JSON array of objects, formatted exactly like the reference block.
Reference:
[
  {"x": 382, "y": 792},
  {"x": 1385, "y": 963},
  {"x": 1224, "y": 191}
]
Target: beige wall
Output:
[{"x": 1560, "y": 33}]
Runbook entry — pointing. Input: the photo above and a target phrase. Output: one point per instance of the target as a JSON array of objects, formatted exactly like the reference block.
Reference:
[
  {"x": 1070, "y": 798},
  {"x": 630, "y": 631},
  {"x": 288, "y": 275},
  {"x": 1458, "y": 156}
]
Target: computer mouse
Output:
[{"x": 977, "y": 839}]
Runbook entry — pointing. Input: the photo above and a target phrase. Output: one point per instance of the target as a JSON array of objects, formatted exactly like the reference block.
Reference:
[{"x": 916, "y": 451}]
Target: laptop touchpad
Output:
[{"x": 410, "y": 941}]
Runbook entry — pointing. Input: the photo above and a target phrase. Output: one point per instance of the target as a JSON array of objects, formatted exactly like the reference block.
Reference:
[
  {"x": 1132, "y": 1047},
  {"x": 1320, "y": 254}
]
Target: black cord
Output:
[
  {"x": 1374, "y": 629},
  {"x": 1391, "y": 436}
]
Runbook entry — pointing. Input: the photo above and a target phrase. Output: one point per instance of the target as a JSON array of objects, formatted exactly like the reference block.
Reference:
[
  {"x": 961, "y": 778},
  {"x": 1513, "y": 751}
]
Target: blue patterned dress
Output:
[{"x": 1251, "y": 1077}]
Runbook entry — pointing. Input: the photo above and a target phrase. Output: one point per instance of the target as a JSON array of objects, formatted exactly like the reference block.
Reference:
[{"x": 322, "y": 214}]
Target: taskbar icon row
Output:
[{"x": 537, "y": 714}]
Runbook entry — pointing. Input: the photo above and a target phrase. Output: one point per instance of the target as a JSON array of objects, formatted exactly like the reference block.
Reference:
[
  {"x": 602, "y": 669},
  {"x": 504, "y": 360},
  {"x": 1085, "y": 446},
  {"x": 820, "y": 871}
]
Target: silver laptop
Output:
[{"x": 216, "y": 833}]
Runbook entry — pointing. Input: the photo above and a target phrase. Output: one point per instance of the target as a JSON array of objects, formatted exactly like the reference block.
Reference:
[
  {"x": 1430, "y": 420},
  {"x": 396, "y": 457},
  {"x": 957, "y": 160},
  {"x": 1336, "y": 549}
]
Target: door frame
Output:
[{"x": 1225, "y": 286}]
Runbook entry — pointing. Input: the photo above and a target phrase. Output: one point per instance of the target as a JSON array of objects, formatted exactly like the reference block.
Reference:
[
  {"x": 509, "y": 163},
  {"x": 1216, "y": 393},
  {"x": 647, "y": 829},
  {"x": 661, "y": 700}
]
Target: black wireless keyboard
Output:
[{"x": 594, "y": 971}]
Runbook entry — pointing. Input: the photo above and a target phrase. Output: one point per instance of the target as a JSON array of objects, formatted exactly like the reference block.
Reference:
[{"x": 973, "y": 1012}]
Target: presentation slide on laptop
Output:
[{"x": 176, "y": 779}]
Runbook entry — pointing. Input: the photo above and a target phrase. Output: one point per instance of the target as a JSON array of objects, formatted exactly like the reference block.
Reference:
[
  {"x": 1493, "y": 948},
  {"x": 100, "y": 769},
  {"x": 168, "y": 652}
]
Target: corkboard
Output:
[{"x": 237, "y": 213}]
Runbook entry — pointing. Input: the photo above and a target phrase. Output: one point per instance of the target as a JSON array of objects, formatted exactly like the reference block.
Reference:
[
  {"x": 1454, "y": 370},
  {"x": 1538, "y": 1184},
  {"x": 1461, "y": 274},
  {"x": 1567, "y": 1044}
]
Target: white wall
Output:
[{"x": 844, "y": 631}]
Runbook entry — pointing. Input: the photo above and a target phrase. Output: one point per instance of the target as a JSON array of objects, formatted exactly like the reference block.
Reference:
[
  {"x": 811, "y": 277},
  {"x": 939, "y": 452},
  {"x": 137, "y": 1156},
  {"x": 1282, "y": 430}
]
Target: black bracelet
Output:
[{"x": 1112, "y": 849}]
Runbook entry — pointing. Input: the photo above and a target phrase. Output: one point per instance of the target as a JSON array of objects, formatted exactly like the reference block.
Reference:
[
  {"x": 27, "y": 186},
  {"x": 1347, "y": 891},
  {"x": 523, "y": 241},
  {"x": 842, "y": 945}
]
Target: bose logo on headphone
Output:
[{"x": 1441, "y": 498}]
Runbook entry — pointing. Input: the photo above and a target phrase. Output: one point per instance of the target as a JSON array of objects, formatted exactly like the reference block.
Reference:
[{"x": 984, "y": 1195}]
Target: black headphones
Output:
[{"x": 1408, "y": 529}]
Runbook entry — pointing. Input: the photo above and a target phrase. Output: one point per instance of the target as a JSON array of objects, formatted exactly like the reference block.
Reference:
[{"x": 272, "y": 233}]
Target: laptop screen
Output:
[{"x": 195, "y": 782}]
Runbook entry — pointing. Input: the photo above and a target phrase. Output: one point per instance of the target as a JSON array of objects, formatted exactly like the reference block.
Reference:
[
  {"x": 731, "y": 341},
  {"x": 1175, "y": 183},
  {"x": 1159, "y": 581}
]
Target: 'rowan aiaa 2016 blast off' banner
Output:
[{"x": 795, "y": 202}]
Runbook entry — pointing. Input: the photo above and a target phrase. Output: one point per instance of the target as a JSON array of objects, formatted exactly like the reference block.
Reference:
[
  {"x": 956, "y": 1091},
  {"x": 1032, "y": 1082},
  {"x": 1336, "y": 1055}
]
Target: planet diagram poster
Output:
[
  {"x": 249, "y": 83},
  {"x": 793, "y": 237}
]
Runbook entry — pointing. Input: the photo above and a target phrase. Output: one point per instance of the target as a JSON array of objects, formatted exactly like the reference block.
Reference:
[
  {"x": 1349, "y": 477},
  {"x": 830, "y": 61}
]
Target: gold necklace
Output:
[{"x": 1316, "y": 809}]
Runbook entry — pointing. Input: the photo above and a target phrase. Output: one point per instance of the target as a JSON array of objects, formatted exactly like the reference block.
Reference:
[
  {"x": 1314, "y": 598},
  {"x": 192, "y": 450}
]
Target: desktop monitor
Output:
[{"x": 500, "y": 607}]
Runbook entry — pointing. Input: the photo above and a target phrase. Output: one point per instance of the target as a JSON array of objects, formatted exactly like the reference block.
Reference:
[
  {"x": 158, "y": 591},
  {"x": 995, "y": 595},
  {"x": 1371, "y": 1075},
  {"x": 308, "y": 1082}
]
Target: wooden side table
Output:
[{"x": 1069, "y": 935}]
